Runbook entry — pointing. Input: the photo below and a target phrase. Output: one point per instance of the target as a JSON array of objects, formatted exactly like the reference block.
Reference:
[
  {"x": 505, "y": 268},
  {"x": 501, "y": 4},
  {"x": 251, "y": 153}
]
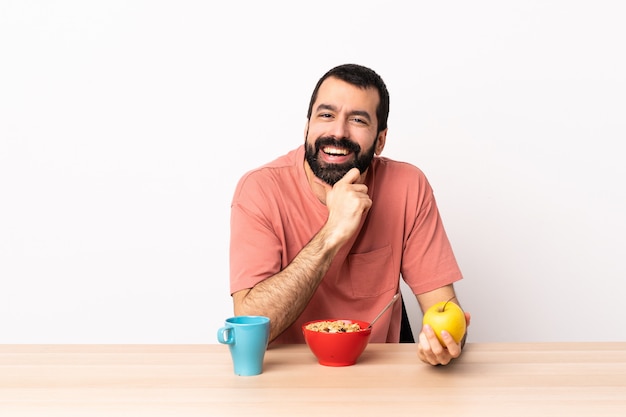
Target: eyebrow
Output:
[{"x": 361, "y": 113}]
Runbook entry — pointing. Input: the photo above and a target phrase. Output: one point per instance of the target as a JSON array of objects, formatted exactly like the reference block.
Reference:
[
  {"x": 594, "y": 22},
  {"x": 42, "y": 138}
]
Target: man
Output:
[{"x": 327, "y": 230}]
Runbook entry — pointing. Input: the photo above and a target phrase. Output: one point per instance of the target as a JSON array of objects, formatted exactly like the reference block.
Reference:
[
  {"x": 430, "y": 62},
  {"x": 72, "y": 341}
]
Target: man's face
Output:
[{"x": 342, "y": 130}]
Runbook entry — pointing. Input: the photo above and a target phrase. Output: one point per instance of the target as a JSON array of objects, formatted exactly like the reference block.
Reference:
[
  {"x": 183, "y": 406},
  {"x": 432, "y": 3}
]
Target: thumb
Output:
[{"x": 351, "y": 176}]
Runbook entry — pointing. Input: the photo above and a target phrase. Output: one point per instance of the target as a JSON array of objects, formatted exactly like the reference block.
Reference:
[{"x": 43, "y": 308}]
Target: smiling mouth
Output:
[{"x": 335, "y": 151}]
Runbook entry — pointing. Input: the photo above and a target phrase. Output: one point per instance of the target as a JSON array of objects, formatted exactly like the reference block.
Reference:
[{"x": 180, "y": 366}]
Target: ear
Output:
[
  {"x": 380, "y": 143},
  {"x": 306, "y": 130}
]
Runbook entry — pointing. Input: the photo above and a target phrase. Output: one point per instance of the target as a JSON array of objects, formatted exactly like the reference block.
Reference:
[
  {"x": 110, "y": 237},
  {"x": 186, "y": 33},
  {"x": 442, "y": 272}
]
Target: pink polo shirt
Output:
[{"x": 274, "y": 214}]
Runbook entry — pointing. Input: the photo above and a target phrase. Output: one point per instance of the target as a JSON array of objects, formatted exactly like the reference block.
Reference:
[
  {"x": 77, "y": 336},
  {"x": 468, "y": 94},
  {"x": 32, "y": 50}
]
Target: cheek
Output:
[{"x": 313, "y": 133}]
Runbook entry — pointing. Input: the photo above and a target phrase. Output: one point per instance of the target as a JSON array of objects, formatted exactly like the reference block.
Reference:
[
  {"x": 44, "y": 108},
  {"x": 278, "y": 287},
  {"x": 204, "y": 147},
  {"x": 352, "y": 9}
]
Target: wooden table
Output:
[{"x": 511, "y": 379}]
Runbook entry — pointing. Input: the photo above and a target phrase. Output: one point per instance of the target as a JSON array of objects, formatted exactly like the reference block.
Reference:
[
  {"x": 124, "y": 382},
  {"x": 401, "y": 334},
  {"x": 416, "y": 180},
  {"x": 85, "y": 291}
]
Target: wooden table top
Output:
[{"x": 490, "y": 379}]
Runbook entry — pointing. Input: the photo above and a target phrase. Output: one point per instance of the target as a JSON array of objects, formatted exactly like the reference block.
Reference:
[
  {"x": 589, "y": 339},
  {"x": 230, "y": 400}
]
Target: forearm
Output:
[{"x": 283, "y": 296}]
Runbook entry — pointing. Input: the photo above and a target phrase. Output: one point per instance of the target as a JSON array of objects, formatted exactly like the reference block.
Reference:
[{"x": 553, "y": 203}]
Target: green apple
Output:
[{"x": 447, "y": 316}]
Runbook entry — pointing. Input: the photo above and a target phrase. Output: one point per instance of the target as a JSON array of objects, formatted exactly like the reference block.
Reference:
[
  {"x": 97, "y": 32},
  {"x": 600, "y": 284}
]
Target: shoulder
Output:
[
  {"x": 387, "y": 169},
  {"x": 400, "y": 183},
  {"x": 265, "y": 178}
]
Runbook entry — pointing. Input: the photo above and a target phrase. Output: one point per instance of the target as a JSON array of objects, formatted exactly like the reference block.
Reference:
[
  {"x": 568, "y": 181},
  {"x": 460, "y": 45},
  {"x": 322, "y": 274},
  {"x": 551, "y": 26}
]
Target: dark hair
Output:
[{"x": 362, "y": 77}]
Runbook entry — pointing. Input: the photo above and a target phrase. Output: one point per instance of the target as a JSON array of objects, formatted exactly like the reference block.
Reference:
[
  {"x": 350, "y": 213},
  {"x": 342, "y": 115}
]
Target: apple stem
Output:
[{"x": 444, "y": 306}]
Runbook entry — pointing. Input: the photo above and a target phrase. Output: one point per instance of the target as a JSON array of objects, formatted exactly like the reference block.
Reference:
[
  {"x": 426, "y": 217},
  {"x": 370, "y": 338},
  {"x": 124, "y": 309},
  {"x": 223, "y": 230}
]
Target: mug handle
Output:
[{"x": 230, "y": 335}]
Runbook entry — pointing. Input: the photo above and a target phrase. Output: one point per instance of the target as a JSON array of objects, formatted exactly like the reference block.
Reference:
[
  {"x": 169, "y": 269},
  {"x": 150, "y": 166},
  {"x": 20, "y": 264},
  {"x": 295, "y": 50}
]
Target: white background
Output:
[{"x": 124, "y": 126}]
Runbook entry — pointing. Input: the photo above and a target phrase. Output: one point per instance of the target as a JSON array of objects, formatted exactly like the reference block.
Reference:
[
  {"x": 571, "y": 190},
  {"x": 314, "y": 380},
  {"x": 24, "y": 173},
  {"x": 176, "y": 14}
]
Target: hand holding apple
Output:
[{"x": 447, "y": 316}]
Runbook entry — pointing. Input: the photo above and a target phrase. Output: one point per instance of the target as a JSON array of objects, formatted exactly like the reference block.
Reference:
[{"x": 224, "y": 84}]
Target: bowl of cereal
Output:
[{"x": 337, "y": 342}]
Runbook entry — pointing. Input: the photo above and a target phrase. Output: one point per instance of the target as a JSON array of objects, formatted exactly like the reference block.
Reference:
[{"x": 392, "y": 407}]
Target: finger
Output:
[
  {"x": 428, "y": 330},
  {"x": 439, "y": 354},
  {"x": 431, "y": 348},
  {"x": 351, "y": 176},
  {"x": 433, "y": 341},
  {"x": 452, "y": 347},
  {"x": 468, "y": 317},
  {"x": 423, "y": 350}
]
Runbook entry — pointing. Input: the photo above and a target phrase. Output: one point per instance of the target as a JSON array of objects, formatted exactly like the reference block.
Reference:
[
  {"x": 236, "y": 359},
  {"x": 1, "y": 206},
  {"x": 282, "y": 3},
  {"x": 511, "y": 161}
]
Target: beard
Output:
[{"x": 331, "y": 173}]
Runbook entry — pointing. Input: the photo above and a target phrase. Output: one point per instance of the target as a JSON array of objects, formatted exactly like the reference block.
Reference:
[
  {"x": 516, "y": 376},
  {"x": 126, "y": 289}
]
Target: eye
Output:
[{"x": 359, "y": 120}]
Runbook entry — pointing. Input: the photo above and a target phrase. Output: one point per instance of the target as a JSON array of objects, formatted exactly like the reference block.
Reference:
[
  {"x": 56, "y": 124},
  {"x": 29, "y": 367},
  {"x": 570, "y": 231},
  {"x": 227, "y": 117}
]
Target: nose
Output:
[{"x": 338, "y": 129}]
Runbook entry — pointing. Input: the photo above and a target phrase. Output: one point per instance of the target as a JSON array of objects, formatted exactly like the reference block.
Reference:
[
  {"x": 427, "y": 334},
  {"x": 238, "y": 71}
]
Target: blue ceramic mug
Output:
[{"x": 247, "y": 337}]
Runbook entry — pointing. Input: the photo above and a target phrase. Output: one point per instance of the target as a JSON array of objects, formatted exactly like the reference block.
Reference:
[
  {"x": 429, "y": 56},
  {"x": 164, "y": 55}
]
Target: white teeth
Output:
[{"x": 334, "y": 151}]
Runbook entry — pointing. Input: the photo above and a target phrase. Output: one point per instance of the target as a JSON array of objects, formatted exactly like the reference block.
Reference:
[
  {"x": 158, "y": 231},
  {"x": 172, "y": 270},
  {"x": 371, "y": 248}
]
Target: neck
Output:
[{"x": 318, "y": 189}]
